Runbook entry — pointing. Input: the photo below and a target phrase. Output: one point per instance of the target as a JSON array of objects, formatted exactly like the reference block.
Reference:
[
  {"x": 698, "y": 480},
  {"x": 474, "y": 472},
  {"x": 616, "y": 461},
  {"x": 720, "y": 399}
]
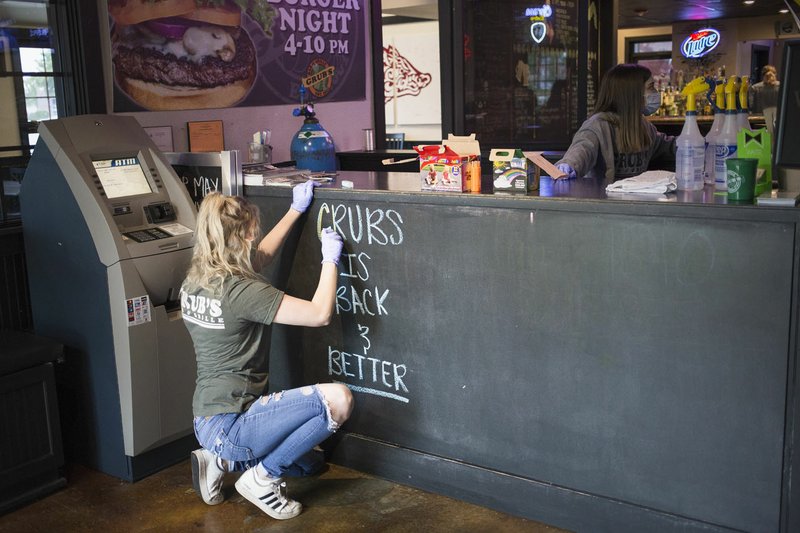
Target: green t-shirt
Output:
[{"x": 228, "y": 331}]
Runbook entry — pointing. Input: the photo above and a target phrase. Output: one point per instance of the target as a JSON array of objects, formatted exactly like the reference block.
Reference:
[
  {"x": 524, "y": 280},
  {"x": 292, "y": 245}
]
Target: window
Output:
[
  {"x": 522, "y": 75},
  {"x": 30, "y": 90},
  {"x": 654, "y": 53},
  {"x": 412, "y": 80},
  {"x": 38, "y": 84}
]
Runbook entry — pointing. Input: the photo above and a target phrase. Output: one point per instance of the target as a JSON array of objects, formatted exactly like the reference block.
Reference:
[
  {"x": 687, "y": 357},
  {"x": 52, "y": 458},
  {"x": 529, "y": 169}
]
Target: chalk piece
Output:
[{"x": 347, "y": 184}]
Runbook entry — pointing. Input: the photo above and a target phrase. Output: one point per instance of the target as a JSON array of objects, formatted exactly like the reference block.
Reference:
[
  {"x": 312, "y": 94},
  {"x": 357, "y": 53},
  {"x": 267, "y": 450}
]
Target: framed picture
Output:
[
  {"x": 162, "y": 137},
  {"x": 206, "y": 136}
]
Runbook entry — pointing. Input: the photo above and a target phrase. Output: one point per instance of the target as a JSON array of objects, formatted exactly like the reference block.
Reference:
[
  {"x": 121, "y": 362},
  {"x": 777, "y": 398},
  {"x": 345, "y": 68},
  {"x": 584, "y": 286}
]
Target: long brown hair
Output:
[
  {"x": 226, "y": 229},
  {"x": 621, "y": 98}
]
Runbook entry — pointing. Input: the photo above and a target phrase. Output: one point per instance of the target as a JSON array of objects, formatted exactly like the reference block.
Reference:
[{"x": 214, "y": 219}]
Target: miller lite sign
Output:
[
  {"x": 700, "y": 43},
  {"x": 537, "y": 16}
]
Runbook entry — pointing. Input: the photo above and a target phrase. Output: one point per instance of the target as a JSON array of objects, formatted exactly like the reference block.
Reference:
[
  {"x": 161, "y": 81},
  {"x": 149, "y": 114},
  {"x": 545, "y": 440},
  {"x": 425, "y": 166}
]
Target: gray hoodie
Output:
[{"x": 594, "y": 145}]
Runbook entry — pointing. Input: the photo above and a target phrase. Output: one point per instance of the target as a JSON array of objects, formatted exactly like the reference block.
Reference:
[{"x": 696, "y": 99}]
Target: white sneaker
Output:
[
  {"x": 208, "y": 471},
  {"x": 268, "y": 495}
]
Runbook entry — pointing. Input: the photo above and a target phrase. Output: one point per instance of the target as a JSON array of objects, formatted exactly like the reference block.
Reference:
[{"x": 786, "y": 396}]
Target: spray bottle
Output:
[
  {"x": 312, "y": 147},
  {"x": 726, "y": 141},
  {"x": 743, "y": 116},
  {"x": 718, "y": 104},
  {"x": 691, "y": 154}
]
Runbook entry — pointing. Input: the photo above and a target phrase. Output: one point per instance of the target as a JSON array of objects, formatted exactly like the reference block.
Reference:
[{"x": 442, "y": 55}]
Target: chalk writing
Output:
[
  {"x": 205, "y": 185},
  {"x": 384, "y": 377},
  {"x": 370, "y": 227},
  {"x": 363, "y": 331},
  {"x": 198, "y": 185},
  {"x": 353, "y": 224},
  {"x": 365, "y": 301},
  {"x": 363, "y": 368},
  {"x": 367, "y": 390},
  {"x": 366, "y": 227},
  {"x": 354, "y": 266}
]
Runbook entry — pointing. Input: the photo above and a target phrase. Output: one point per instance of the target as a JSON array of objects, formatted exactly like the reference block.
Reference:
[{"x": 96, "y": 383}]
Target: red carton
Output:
[
  {"x": 441, "y": 169},
  {"x": 454, "y": 166}
]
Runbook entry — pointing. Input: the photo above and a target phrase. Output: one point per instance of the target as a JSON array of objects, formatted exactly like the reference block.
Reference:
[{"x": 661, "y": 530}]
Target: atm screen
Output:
[{"x": 122, "y": 177}]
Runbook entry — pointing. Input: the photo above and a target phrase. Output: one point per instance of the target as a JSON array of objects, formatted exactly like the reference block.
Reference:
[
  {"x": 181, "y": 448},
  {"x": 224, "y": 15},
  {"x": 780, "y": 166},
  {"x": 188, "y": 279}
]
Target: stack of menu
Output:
[{"x": 265, "y": 174}]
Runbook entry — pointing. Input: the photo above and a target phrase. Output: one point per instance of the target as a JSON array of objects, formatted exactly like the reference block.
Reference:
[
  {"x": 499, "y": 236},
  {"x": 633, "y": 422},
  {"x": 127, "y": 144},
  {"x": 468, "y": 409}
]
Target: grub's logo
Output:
[
  {"x": 400, "y": 78},
  {"x": 700, "y": 43},
  {"x": 319, "y": 77}
]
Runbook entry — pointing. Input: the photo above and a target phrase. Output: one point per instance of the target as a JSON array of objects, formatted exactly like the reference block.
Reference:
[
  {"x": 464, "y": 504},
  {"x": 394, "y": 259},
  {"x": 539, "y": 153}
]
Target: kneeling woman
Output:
[{"x": 227, "y": 308}]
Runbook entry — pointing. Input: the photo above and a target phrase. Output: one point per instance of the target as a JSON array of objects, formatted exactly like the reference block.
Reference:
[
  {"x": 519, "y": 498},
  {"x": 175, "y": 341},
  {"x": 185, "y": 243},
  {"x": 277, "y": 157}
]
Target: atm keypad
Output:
[{"x": 146, "y": 235}]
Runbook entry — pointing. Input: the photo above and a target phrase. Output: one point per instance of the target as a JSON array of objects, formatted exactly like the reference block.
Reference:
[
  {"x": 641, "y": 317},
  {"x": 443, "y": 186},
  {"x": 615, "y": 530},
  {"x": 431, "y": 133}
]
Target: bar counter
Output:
[
  {"x": 596, "y": 363},
  {"x": 674, "y": 125},
  {"x": 588, "y": 188}
]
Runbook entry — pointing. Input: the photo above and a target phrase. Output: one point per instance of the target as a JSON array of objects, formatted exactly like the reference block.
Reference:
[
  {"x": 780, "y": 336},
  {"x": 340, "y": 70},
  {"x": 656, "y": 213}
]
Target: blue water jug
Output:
[{"x": 312, "y": 147}]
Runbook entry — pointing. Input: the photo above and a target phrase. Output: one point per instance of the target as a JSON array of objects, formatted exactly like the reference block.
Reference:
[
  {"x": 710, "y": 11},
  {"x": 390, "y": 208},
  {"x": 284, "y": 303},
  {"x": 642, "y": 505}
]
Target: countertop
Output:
[{"x": 588, "y": 188}]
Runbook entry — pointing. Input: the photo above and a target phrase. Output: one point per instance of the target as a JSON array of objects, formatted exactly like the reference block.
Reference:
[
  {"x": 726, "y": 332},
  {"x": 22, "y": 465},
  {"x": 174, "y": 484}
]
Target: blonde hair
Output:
[
  {"x": 621, "y": 99},
  {"x": 226, "y": 229}
]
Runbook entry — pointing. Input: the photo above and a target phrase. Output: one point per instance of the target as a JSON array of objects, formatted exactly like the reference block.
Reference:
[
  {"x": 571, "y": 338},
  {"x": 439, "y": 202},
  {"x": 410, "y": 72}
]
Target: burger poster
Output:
[{"x": 203, "y": 54}]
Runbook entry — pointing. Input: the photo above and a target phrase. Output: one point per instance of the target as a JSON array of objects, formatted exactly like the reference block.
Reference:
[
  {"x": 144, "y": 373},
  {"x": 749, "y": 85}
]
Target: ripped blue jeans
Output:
[{"x": 279, "y": 431}]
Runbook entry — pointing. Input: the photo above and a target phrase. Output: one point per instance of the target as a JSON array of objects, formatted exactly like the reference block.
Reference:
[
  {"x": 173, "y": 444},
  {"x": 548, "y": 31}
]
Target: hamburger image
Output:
[{"x": 184, "y": 54}]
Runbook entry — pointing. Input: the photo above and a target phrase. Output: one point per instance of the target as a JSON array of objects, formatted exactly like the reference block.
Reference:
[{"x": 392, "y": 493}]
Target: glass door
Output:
[{"x": 411, "y": 72}]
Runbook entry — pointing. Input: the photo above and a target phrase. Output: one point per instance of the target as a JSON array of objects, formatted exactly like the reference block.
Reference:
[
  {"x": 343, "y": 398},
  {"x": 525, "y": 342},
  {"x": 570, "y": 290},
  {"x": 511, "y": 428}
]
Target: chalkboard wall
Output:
[{"x": 642, "y": 359}]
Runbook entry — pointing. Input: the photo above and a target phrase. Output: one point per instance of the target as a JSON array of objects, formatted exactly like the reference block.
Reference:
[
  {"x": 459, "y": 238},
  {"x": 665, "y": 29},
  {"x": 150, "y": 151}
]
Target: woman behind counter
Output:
[{"x": 617, "y": 141}]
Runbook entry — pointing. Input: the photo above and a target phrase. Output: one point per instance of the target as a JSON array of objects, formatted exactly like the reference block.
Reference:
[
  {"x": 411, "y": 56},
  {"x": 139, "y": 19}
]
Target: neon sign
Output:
[
  {"x": 537, "y": 16},
  {"x": 700, "y": 43},
  {"x": 541, "y": 12}
]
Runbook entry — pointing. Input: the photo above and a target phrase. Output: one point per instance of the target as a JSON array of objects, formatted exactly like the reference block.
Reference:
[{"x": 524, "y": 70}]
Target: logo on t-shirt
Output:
[
  {"x": 201, "y": 310},
  {"x": 629, "y": 164}
]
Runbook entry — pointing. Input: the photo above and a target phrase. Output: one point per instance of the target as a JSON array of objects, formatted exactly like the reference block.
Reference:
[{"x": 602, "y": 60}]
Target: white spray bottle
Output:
[
  {"x": 743, "y": 116},
  {"x": 726, "y": 141},
  {"x": 718, "y": 104},
  {"x": 691, "y": 153}
]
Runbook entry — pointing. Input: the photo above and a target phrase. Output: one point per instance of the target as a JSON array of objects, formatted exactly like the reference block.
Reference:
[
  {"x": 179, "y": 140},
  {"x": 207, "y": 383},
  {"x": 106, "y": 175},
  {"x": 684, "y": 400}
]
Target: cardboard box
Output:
[
  {"x": 512, "y": 172},
  {"x": 440, "y": 169},
  {"x": 467, "y": 146},
  {"x": 453, "y": 166}
]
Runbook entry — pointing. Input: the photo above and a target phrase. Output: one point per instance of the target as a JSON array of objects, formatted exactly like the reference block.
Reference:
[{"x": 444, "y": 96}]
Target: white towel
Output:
[{"x": 652, "y": 181}]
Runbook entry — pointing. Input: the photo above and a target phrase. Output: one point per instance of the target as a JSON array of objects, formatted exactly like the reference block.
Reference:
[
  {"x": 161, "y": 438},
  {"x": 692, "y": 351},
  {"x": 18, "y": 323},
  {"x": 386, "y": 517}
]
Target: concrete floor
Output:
[{"x": 340, "y": 500}]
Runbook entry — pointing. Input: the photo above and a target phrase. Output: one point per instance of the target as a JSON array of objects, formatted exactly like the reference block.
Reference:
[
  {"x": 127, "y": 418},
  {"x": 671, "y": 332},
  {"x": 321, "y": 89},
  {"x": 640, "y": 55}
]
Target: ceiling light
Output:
[
  {"x": 749, "y": 2},
  {"x": 784, "y": 10}
]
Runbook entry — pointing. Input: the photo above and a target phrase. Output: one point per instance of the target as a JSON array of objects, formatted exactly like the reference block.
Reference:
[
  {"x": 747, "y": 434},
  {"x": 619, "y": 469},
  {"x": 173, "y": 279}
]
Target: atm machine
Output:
[{"x": 108, "y": 230}]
